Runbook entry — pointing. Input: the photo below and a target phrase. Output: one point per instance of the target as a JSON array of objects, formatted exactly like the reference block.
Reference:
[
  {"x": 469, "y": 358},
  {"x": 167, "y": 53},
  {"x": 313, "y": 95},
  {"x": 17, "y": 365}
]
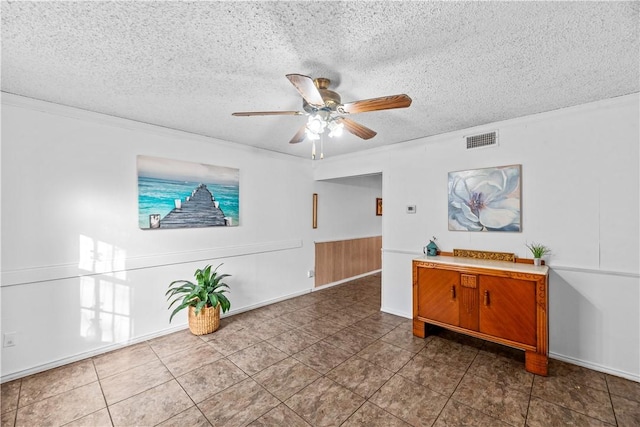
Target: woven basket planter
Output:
[{"x": 206, "y": 322}]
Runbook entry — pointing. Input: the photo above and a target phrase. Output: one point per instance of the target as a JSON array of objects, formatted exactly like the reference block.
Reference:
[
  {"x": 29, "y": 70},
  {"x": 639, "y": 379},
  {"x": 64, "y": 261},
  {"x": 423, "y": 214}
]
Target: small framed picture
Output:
[{"x": 378, "y": 206}]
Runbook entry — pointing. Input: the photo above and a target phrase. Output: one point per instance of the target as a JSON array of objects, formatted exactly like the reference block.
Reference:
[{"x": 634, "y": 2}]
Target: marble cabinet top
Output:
[{"x": 484, "y": 263}]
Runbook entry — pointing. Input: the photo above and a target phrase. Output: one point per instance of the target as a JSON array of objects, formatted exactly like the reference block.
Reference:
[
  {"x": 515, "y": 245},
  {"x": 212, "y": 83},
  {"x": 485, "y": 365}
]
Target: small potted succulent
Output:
[
  {"x": 204, "y": 299},
  {"x": 538, "y": 250}
]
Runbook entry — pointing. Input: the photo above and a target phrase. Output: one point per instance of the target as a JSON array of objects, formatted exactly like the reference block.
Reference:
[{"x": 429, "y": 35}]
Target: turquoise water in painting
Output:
[{"x": 156, "y": 196}]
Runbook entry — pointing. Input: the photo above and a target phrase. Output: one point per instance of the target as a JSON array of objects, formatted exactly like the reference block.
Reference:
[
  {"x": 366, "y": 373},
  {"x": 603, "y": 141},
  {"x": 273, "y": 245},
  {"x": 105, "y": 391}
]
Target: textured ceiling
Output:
[{"x": 188, "y": 66}]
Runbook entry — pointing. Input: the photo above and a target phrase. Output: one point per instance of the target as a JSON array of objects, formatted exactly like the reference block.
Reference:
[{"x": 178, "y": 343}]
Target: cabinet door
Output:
[
  {"x": 508, "y": 308},
  {"x": 438, "y": 295}
]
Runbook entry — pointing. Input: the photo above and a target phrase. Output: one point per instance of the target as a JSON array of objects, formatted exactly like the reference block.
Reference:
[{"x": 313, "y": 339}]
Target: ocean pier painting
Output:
[{"x": 176, "y": 194}]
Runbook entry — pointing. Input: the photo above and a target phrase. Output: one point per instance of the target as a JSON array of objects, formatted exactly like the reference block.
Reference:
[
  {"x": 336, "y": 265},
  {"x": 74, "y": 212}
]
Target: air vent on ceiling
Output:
[{"x": 483, "y": 140}]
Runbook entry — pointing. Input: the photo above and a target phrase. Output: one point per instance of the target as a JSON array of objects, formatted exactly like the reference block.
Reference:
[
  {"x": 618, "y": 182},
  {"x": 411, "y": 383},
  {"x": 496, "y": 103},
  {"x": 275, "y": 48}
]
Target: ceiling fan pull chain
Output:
[{"x": 313, "y": 151}]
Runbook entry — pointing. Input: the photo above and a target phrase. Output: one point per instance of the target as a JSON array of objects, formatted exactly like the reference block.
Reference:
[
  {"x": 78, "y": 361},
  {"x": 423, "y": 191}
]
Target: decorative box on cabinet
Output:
[{"x": 498, "y": 301}]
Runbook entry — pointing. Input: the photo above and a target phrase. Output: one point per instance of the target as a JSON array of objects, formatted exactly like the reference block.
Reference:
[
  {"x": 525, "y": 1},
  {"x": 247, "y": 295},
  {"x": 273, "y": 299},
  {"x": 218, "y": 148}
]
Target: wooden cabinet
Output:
[{"x": 498, "y": 301}]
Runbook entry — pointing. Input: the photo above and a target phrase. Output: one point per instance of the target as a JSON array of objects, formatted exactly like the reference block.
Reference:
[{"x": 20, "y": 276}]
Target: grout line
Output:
[
  {"x": 106, "y": 404},
  {"x": 613, "y": 409}
]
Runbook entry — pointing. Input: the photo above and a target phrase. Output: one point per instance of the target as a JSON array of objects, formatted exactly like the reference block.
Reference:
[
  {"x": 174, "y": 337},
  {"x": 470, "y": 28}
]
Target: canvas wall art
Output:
[
  {"x": 177, "y": 194},
  {"x": 486, "y": 199}
]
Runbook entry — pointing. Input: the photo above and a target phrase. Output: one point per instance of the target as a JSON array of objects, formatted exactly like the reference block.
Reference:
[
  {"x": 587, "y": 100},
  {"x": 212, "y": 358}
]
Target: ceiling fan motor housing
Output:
[{"x": 331, "y": 99}]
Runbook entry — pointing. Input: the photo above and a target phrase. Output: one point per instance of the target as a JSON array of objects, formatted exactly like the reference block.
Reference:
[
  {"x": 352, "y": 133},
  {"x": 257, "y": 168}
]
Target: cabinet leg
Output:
[
  {"x": 419, "y": 328},
  {"x": 535, "y": 363}
]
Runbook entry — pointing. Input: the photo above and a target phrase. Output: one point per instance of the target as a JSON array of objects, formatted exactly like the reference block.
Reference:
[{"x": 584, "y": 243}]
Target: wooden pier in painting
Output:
[{"x": 199, "y": 210}]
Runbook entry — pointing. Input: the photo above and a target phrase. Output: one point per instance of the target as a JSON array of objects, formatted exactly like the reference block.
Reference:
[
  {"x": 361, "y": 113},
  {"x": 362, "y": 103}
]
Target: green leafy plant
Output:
[
  {"x": 208, "y": 291},
  {"x": 538, "y": 250}
]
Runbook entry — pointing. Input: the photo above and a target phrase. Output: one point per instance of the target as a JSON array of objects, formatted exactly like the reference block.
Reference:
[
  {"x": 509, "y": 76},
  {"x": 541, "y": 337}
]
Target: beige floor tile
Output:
[
  {"x": 99, "y": 418},
  {"x": 152, "y": 406},
  {"x": 136, "y": 380},
  {"x": 493, "y": 399},
  {"x": 456, "y": 414},
  {"x": 257, "y": 357},
  {"x": 342, "y": 317},
  {"x": 623, "y": 387},
  {"x": 8, "y": 419},
  {"x": 373, "y": 328},
  {"x": 55, "y": 381},
  {"x": 173, "y": 343},
  {"x": 390, "y": 319},
  {"x": 321, "y": 327},
  {"x": 62, "y": 408},
  {"x": 192, "y": 417},
  {"x": 578, "y": 397},
  {"x": 369, "y": 415},
  {"x": 439, "y": 350},
  {"x": 9, "y": 394},
  {"x": 324, "y": 403},
  {"x": 403, "y": 337},
  {"x": 270, "y": 328},
  {"x": 386, "y": 355},
  {"x": 439, "y": 377},
  {"x": 350, "y": 339},
  {"x": 229, "y": 343},
  {"x": 286, "y": 378},
  {"x": 296, "y": 318},
  {"x": 543, "y": 414},
  {"x": 238, "y": 405},
  {"x": 184, "y": 361},
  {"x": 502, "y": 370},
  {"x": 360, "y": 376},
  {"x": 411, "y": 402},
  {"x": 281, "y": 415},
  {"x": 627, "y": 411},
  {"x": 573, "y": 374},
  {"x": 211, "y": 379},
  {"x": 293, "y": 341},
  {"x": 123, "y": 359},
  {"x": 322, "y": 357}
]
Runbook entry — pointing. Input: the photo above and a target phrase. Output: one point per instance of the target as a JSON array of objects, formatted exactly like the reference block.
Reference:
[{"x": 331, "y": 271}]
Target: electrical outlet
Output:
[
  {"x": 311, "y": 273},
  {"x": 9, "y": 339}
]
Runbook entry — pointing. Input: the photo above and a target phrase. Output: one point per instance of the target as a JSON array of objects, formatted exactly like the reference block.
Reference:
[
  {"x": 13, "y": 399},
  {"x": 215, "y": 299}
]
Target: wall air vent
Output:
[{"x": 482, "y": 140}]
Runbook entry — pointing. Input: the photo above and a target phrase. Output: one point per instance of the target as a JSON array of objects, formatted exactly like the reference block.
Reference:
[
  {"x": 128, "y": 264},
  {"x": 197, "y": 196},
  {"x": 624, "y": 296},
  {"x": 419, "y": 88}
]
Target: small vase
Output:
[{"x": 537, "y": 262}]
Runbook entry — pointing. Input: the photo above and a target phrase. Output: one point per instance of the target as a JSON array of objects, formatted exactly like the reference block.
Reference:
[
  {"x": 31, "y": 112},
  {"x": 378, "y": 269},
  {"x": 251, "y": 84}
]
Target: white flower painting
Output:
[{"x": 485, "y": 199}]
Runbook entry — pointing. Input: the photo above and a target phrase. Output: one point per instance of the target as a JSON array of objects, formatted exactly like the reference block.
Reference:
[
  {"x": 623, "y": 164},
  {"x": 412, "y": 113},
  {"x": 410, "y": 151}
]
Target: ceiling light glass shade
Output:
[
  {"x": 312, "y": 136},
  {"x": 335, "y": 129},
  {"x": 316, "y": 123}
]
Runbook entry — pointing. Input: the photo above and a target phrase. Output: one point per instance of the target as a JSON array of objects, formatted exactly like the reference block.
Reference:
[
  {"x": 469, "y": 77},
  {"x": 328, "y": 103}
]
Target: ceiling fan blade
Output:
[
  {"x": 356, "y": 128},
  {"x": 308, "y": 90},
  {"x": 267, "y": 113},
  {"x": 300, "y": 135},
  {"x": 373, "y": 104}
]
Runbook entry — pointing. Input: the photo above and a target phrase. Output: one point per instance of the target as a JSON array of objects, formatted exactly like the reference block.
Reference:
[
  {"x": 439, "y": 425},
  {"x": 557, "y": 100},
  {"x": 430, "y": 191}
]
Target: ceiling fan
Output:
[{"x": 326, "y": 110}]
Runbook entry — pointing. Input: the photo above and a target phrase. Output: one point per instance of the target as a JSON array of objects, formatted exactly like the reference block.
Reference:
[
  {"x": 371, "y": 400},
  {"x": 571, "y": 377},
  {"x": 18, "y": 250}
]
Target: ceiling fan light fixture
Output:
[
  {"x": 335, "y": 129},
  {"x": 317, "y": 123}
]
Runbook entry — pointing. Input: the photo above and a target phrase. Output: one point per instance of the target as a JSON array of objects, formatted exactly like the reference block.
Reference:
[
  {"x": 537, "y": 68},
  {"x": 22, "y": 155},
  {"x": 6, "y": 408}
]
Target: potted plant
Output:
[
  {"x": 203, "y": 299},
  {"x": 538, "y": 250}
]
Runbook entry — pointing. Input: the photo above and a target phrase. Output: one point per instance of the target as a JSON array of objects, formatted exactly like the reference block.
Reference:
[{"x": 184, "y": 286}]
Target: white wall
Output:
[
  {"x": 69, "y": 177},
  {"x": 72, "y": 252},
  {"x": 580, "y": 196},
  {"x": 346, "y": 208}
]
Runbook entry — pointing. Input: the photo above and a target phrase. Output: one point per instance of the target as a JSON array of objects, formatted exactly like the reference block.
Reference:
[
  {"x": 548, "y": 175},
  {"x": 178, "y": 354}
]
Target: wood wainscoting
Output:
[{"x": 342, "y": 259}]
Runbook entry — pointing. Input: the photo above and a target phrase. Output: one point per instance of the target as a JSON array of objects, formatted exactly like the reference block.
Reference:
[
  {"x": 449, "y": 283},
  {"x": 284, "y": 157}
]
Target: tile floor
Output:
[{"x": 329, "y": 358}]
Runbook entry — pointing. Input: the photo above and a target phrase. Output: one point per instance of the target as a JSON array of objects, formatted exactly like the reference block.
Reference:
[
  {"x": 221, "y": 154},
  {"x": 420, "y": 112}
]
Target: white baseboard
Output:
[
  {"x": 87, "y": 354},
  {"x": 595, "y": 367}
]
